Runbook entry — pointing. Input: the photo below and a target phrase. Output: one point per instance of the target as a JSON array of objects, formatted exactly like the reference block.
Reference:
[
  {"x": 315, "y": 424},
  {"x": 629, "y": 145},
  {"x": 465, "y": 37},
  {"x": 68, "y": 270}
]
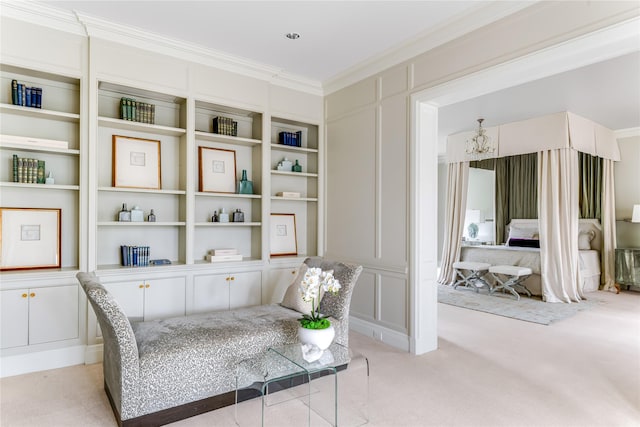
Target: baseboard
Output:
[
  {"x": 380, "y": 333},
  {"x": 41, "y": 361},
  {"x": 93, "y": 354}
]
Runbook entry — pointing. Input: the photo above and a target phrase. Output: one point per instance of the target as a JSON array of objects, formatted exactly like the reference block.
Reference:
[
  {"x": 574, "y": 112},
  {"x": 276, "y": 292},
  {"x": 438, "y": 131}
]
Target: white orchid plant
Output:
[{"x": 313, "y": 283}]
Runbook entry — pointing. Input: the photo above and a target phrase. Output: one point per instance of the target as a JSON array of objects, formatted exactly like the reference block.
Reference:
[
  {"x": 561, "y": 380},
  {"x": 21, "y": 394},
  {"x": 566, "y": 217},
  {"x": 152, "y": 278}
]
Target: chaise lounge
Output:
[{"x": 161, "y": 371}]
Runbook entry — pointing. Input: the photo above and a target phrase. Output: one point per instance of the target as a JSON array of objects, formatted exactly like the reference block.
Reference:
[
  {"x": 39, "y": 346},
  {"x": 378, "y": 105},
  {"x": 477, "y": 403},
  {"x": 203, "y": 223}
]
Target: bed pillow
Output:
[
  {"x": 293, "y": 298},
  {"x": 584, "y": 240},
  {"x": 524, "y": 243},
  {"x": 523, "y": 233}
]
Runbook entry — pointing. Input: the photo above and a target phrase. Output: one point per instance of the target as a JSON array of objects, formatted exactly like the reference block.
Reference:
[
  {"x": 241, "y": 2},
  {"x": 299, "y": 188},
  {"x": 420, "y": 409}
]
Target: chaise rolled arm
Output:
[
  {"x": 120, "y": 354},
  {"x": 337, "y": 306}
]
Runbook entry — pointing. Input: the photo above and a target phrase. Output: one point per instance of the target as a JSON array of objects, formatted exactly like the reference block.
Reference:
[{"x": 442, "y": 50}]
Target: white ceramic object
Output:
[{"x": 321, "y": 338}]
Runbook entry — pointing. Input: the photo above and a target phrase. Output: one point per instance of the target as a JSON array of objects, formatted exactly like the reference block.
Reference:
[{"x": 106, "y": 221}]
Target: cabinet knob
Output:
[
  {"x": 147, "y": 285},
  {"x": 24, "y": 295},
  {"x": 141, "y": 286},
  {"x": 293, "y": 272},
  {"x": 32, "y": 294},
  {"x": 233, "y": 278}
]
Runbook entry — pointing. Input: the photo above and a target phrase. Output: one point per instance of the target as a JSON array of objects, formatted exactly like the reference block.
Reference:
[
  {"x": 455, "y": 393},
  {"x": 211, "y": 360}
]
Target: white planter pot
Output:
[{"x": 321, "y": 338}]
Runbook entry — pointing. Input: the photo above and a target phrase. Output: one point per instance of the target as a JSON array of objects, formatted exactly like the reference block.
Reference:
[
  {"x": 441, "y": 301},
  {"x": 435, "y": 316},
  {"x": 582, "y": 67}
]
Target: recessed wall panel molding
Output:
[
  {"x": 363, "y": 301},
  {"x": 393, "y": 297},
  {"x": 350, "y": 181},
  {"x": 394, "y": 81},
  {"x": 351, "y": 98}
]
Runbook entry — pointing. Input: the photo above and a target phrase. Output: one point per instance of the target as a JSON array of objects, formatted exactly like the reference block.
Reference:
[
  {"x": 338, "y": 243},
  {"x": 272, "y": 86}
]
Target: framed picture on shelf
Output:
[
  {"x": 30, "y": 238},
  {"x": 217, "y": 170},
  {"x": 136, "y": 162},
  {"x": 283, "y": 235}
]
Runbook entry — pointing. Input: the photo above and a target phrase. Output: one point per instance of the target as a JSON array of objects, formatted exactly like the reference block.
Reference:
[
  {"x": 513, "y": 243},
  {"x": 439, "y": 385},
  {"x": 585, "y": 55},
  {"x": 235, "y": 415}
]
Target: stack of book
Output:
[
  {"x": 25, "y": 96},
  {"x": 293, "y": 139},
  {"x": 136, "y": 111},
  {"x": 223, "y": 255},
  {"x": 225, "y": 126},
  {"x": 30, "y": 171},
  {"x": 135, "y": 256}
]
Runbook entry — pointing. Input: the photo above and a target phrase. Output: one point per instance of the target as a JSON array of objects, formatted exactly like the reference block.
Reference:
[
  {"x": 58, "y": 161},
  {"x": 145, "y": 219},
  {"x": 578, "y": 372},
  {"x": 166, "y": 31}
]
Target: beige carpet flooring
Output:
[{"x": 488, "y": 371}]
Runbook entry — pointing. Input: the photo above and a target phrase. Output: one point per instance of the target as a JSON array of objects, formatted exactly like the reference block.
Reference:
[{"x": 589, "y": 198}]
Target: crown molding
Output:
[
  {"x": 476, "y": 17},
  {"x": 43, "y": 15},
  {"x": 90, "y": 26},
  {"x": 627, "y": 133},
  {"x": 106, "y": 30}
]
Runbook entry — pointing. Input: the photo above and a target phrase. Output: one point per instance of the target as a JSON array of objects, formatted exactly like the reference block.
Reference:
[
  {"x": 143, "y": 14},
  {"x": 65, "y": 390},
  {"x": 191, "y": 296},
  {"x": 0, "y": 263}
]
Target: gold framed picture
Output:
[
  {"x": 30, "y": 238},
  {"x": 136, "y": 163},
  {"x": 217, "y": 170}
]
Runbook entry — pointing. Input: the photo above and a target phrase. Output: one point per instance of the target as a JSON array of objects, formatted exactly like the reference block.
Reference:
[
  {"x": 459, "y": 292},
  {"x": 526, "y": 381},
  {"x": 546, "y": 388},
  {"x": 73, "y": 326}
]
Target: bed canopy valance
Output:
[
  {"x": 563, "y": 130},
  {"x": 557, "y": 139}
]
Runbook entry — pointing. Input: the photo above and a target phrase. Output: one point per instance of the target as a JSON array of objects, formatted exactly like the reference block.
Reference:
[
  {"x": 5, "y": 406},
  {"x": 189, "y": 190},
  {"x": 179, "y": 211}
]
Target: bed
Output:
[{"x": 521, "y": 250}]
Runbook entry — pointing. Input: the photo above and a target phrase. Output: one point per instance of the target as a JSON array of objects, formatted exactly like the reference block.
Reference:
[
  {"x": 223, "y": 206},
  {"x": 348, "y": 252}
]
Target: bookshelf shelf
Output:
[
  {"x": 141, "y": 224},
  {"x": 39, "y": 186},
  {"x": 40, "y": 113},
  {"x": 283, "y": 147},
  {"x": 19, "y": 147},
  {"x": 140, "y": 127},
  {"x": 141, "y": 191}
]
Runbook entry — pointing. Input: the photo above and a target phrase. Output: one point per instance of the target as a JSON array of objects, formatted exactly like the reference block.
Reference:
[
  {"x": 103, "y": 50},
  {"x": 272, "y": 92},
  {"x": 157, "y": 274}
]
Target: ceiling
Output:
[
  {"x": 605, "y": 92},
  {"x": 337, "y": 36},
  {"x": 334, "y": 35}
]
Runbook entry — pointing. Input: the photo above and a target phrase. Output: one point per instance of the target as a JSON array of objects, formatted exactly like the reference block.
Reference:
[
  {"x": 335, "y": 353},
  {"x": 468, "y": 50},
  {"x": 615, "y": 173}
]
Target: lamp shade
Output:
[{"x": 635, "y": 217}]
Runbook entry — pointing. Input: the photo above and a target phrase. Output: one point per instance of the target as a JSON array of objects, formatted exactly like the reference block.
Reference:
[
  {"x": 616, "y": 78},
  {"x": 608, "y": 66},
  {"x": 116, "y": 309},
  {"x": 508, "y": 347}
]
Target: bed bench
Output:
[{"x": 161, "y": 371}]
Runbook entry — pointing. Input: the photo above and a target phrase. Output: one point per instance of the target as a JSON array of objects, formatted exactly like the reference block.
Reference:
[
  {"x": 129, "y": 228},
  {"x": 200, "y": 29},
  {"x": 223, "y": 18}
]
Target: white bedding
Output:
[{"x": 530, "y": 257}]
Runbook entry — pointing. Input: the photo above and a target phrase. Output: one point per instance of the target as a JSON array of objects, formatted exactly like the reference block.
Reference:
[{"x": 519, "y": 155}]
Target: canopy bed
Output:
[{"x": 564, "y": 267}]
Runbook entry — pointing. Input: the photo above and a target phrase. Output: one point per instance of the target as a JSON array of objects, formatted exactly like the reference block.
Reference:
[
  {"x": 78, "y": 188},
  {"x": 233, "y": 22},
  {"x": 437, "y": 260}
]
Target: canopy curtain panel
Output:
[
  {"x": 457, "y": 182},
  {"x": 567, "y": 159}
]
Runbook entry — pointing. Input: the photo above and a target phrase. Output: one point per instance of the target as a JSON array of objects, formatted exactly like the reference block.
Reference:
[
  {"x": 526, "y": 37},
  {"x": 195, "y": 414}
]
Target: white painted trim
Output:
[
  {"x": 474, "y": 18},
  {"x": 627, "y": 133},
  {"x": 93, "y": 354},
  {"x": 423, "y": 313},
  {"x": 41, "y": 14},
  {"x": 601, "y": 45},
  {"x": 41, "y": 361},
  {"x": 380, "y": 333}
]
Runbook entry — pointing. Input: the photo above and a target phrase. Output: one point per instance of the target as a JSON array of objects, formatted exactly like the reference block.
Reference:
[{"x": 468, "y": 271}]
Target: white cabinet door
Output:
[
  {"x": 130, "y": 296},
  {"x": 53, "y": 314},
  {"x": 164, "y": 298},
  {"x": 211, "y": 293},
  {"x": 277, "y": 284},
  {"x": 14, "y": 318},
  {"x": 245, "y": 289}
]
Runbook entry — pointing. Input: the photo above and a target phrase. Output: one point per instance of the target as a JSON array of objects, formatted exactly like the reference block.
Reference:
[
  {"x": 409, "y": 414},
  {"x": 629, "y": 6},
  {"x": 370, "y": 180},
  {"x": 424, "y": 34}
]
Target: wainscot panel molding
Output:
[
  {"x": 394, "y": 81},
  {"x": 378, "y": 332}
]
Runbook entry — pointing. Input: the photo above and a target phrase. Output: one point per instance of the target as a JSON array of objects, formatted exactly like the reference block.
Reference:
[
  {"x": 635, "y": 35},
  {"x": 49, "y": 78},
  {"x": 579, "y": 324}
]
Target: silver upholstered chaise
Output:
[{"x": 161, "y": 371}]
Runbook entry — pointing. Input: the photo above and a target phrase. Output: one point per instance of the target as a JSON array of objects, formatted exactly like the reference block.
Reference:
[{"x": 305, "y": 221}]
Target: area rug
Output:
[{"x": 527, "y": 309}]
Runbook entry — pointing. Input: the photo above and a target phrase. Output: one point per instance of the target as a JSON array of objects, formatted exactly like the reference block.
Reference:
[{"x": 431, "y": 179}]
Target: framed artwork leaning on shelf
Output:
[
  {"x": 217, "y": 170},
  {"x": 283, "y": 234},
  {"x": 30, "y": 238},
  {"x": 136, "y": 163}
]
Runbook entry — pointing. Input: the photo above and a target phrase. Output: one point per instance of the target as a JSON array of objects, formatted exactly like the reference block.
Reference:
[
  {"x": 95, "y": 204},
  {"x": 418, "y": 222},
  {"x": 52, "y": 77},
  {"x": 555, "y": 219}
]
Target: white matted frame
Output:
[
  {"x": 283, "y": 234},
  {"x": 136, "y": 162},
  {"x": 217, "y": 170},
  {"x": 30, "y": 238}
]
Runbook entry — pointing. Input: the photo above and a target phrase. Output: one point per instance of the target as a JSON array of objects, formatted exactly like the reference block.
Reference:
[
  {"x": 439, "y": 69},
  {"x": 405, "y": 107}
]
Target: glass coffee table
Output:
[{"x": 282, "y": 374}]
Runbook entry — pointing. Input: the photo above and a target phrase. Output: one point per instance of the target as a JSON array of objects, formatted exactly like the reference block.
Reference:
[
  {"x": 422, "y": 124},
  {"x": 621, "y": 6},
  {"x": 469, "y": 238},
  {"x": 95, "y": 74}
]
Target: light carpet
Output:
[{"x": 503, "y": 304}]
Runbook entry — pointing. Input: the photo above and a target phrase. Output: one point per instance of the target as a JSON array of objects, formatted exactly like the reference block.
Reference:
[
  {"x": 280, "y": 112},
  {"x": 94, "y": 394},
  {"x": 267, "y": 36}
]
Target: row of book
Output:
[
  {"x": 136, "y": 111},
  {"x": 25, "y": 96},
  {"x": 293, "y": 139},
  {"x": 135, "y": 256},
  {"x": 225, "y": 126},
  {"x": 30, "y": 171},
  {"x": 223, "y": 255}
]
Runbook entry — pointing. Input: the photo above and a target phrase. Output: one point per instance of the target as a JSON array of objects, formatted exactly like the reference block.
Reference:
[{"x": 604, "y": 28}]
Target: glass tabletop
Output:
[{"x": 335, "y": 356}]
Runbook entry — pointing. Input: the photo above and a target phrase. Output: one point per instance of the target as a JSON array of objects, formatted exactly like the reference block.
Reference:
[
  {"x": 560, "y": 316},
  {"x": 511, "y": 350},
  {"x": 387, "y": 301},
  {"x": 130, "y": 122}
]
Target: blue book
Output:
[
  {"x": 135, "y": 256},
  {"x": 19, "y": 98},
  {"x": 27, "y": 97}
]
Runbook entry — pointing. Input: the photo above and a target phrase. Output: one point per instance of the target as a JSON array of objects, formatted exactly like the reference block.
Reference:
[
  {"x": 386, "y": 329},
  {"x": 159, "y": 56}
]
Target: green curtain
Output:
[
  {"x": 489, "y": 164},
  {"x": 516, "y": 190},
  {"x": 590, "y": 193}
]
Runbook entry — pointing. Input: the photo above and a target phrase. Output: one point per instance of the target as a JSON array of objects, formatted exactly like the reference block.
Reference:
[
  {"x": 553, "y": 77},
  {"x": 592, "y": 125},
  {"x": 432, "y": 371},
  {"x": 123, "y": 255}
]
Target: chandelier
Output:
[{"x": 480, "y": 143}]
